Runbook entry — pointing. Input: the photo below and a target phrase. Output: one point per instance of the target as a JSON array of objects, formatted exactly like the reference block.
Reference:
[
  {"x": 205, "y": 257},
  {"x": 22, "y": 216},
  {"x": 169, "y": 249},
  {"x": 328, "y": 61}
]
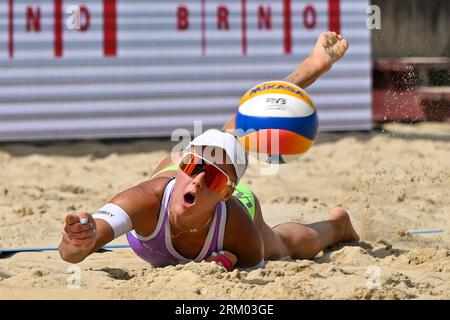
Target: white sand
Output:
[{"x": 390, "y": 181}]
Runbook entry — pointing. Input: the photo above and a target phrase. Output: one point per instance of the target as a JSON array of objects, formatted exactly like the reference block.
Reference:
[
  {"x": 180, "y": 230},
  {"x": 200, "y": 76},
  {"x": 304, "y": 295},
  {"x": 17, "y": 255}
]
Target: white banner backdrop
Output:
[{"x": 134, "y": 68}]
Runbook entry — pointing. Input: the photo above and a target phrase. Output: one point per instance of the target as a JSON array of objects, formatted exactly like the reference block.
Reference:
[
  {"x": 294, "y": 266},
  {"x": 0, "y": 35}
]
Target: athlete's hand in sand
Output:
[{"x": 79, "y": 233}]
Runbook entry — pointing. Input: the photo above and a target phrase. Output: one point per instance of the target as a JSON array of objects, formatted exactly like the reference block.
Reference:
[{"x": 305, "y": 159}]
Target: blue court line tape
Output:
[
  {"x": 56, "y": 249},
  {"x": 431, "y": 231}
]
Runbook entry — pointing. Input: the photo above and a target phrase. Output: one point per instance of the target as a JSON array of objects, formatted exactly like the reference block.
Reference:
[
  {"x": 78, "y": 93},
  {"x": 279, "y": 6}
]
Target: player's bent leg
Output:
[
  {"x": 301, "y": 241},
  {"x": 342, "y": 218},
  {"x": 306, "y": 241}
]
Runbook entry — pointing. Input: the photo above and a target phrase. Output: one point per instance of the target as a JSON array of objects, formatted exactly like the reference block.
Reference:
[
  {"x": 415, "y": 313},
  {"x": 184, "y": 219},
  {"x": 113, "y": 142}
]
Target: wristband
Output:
[{"x": 116, "y": 217}]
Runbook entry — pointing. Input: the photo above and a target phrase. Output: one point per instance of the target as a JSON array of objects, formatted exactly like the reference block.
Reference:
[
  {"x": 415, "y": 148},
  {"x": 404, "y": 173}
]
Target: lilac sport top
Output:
[{"x": 157, "y": 248}]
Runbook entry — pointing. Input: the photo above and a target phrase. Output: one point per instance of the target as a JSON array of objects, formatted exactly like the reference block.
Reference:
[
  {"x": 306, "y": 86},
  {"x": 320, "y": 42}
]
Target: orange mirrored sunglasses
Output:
[{"x": 216, "y": 179}]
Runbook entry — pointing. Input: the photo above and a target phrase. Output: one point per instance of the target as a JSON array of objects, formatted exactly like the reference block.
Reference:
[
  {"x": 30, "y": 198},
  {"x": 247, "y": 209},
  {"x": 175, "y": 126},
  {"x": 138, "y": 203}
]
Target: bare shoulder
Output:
[
  {"x": 154, "y": 187},
  {"x": 142, "y": 203},
  {"x": 242, "y": 237}
]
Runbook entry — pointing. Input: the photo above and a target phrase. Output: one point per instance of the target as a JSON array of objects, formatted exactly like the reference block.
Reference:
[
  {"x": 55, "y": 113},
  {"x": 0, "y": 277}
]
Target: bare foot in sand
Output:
[
  {"x": 348, "y": 232},
  {"x": 329, "y": 48}
]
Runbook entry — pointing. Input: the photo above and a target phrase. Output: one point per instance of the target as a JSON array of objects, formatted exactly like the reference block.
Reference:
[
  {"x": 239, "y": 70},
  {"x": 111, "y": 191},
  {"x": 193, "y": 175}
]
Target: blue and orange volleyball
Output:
[{"x": 276, "y": 121}]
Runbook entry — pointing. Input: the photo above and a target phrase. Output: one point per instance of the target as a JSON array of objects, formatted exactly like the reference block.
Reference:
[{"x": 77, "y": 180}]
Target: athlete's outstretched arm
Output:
[
  {"x": 84, "y": 234},
  {"x": 329, "y": 48}
]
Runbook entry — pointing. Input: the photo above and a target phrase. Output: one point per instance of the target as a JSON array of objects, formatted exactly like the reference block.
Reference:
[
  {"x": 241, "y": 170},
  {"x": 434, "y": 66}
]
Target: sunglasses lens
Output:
[
  {"x": 215, "y": 179},
  {"x": 190, "y": 166}
]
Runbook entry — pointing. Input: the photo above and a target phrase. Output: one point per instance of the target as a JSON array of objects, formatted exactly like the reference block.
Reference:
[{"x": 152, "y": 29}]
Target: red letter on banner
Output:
[
  {"x": 222, "y": 18},
  {"x": 287, "y": 27},
  {"x": 11, "y": 28},
  {"x": 109, "y": 28},
  {"x": 334, "y": 16},
  {"x": 264, "y": 18},
  {"x": 87, "y": 19},
  {"x": 58, "y": 28},
  {"x": 244, "y": 26},
  {"x": 309, "y": 17},
  {"x": 182, "y": 18},
  {"x": 33, "y": 19}
]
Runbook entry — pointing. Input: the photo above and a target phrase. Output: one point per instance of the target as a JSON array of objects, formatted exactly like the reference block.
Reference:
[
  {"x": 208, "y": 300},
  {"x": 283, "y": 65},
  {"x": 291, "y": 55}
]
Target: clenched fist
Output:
[{"x": 79, "y": 237}]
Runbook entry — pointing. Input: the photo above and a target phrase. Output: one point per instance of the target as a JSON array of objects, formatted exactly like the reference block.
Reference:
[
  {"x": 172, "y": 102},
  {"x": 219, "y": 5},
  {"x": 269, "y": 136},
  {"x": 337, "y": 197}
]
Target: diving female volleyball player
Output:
[{"x": 194, "y": 207}]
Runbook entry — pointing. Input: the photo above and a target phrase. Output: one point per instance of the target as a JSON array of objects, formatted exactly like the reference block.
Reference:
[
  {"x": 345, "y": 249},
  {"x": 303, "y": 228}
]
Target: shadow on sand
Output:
[{"x": 379, "y": 253}]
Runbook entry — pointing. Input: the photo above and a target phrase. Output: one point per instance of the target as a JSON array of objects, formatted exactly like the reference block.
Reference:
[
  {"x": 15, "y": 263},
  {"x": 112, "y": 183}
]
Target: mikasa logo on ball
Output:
[{"x": 275, "y": 87}]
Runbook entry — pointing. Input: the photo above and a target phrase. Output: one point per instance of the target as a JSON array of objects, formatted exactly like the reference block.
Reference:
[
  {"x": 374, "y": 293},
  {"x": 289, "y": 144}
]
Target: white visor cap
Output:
[{"x": 227, "y": 142}]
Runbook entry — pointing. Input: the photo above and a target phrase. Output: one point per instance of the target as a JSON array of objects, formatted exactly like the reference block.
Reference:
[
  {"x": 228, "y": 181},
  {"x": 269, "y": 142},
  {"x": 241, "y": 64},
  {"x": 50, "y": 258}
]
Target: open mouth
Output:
[{"x": 189, "y": 198}]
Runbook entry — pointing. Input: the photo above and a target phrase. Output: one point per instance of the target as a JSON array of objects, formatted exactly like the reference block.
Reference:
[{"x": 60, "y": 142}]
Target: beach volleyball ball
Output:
[{"x": 276, "y": 122}]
